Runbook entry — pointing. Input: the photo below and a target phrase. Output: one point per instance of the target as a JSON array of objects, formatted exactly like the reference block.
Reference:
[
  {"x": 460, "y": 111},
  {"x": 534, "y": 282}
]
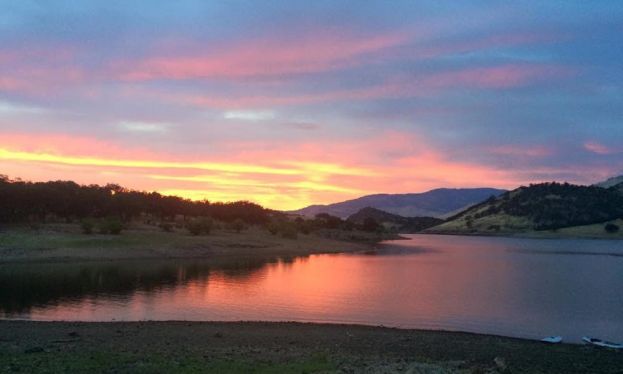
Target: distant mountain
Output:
[
  {"x": 546, "y": 206},
  {"x": 435, "y": 203},
  {"x": 610, "y": 182},
  {"x": 394, "y": 221}
]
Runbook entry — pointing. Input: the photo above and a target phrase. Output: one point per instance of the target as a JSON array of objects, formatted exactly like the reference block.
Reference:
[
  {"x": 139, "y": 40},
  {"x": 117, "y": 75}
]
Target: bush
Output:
[
  {"x": 273, "y": 227},
  {"x": 305, "y": 227},
  {"x": 111, "y": 226},
  {"x": 288, "y": 231},
  {"x": 200, "y": 226},
  {"x": 285, "y": 229},
  {"x": 87, "y": 227},
  {"x": 611, "y": 228},
  {"x": 236, "y": 225},
  {"x": 166, "y": 226}
]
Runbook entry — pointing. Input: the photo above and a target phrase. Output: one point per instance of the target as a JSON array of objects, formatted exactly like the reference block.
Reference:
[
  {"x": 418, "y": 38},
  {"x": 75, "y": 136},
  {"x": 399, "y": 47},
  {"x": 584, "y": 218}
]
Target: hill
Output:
[
  {"x": 611, "y": 182},
  {"x": 394, "y": 221},
  {"x": 618, "y": 187},
  {"x": 436, "y": 203},
  {"x": 546, "y": 206}
]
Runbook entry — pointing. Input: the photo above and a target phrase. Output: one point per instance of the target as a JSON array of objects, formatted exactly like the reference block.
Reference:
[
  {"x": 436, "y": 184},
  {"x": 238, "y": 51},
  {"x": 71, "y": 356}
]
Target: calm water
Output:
[{"x": 517, "y": 287}]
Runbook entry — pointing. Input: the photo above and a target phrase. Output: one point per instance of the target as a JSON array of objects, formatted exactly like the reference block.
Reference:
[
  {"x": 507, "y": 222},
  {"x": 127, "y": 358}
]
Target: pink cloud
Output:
[
  {"x": 265, "y": 58},
  {"x": 504, "y": 76},
  {"x": 521, "y": 151},
  {"x": 493, "y": 77},
  {"x": 599, "y": 148},
  {"x": 39, "y": 70},
  {"x": 491, "y": 42}
]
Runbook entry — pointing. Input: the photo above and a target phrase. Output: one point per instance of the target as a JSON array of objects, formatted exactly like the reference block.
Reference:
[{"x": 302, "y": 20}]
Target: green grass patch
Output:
[{"x": 97, "y": 362}]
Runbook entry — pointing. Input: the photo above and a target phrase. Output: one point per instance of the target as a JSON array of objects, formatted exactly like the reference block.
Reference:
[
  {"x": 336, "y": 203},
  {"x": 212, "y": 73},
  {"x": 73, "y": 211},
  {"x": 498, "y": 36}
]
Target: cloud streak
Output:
[{"x": 265, "y": 58}]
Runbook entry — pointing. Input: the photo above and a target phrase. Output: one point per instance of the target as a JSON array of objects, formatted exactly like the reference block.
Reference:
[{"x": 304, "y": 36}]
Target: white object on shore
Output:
[
  {"x": 552, "y": 339},
  {"x": 601, "y": 343}
]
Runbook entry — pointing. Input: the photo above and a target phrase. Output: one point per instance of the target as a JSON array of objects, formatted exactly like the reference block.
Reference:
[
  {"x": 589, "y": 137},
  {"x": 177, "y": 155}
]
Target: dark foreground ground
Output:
[{"x": 171, "y": 347}]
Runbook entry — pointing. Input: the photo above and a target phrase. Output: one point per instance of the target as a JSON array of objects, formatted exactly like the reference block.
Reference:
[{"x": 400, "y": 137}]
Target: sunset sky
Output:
[{"x": 290, "y": 103}]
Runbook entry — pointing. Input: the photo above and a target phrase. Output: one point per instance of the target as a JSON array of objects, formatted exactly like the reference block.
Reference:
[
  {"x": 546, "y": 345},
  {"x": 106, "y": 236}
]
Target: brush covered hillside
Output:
[
  {"x": 437, "y": 203},
  {"x": 611, "y": 182},
  {"x": 541, "y": 207},
  {"x": 393, "y": 222}
]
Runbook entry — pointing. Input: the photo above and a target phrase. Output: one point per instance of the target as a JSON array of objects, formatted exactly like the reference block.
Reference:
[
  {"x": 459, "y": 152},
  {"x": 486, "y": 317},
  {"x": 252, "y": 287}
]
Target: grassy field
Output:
[
  {"x": 65, "y": 242},
  {"x": 258, "y": 347},
  {"x": 504, "y": 225}
]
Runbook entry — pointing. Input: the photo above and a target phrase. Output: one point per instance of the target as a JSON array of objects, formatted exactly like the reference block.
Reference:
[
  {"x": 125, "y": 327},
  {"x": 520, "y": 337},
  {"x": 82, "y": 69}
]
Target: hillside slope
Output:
[
  {"x": 435, "y": 203},
  {"x": 547, "y": 206},
  {"x": 394, "y": 221},
  {"x": 611, "y": 182}
]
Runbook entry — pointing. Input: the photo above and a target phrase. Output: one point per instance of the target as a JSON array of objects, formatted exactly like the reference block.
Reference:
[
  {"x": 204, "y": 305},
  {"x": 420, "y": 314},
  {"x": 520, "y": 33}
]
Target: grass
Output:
[
  {"x": 99, "y": 361},
  {"x": 63, "y": 242},
  {"x": 506, "y": 224},
  {"x": 594, "y": 231},
  {"x": 520, "y": 226}
]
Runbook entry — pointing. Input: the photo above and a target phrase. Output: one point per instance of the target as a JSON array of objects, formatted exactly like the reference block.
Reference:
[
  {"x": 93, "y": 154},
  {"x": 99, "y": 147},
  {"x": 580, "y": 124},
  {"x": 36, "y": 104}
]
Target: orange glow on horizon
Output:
[{"x": 304, "y": 174}]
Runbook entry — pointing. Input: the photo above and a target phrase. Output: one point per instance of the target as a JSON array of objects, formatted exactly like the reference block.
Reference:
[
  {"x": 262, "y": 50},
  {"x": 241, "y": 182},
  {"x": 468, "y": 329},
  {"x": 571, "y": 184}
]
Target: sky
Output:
[{"x": 292, "y": 103}]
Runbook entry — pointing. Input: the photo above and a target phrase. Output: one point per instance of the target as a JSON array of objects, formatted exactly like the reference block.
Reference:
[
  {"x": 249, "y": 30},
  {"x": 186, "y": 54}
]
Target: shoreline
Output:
[
  {"x": 191, "y": 347},
  {"x": 64, "y": 244},
  {"x": 523, "y": 235}
]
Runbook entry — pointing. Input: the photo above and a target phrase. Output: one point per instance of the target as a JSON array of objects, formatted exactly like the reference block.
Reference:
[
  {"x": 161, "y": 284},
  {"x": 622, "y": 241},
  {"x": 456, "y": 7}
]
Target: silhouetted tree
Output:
[
  {"x": 39, "y": 201},
  {"x": 611, "y": 228}
]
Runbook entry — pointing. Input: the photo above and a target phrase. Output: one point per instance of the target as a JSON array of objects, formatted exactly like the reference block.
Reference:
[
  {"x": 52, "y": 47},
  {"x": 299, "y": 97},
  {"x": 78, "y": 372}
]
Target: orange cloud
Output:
[{"x": 310, "y": 173}]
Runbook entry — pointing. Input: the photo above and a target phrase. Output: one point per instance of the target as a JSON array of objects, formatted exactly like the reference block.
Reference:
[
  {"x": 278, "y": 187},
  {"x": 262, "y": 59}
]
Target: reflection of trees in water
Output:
[{"x": 24, "y": 286}]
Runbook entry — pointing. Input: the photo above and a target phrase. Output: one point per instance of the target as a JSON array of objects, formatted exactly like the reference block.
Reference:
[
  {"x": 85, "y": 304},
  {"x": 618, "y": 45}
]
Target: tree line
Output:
[
  {"x": 23, "y": 201},
  {"x": 556, "y": 205}
]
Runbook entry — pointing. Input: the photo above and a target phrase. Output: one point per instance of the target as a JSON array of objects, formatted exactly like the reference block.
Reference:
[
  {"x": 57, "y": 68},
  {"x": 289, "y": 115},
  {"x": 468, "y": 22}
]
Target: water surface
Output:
[{"x": 516, "y": 287}]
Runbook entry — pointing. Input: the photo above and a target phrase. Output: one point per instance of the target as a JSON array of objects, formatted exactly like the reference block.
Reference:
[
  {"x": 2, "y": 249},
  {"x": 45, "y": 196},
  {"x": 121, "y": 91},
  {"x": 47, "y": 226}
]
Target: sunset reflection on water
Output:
[{"x": 515, "y": 287}]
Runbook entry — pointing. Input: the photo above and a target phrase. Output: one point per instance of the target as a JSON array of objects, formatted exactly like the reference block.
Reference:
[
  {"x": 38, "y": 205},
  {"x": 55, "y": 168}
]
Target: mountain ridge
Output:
[{"x": 436, "y": 203}]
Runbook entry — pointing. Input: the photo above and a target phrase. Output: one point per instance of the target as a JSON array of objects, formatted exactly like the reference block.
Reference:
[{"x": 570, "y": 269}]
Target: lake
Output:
[{"x": 508, "y": 286}]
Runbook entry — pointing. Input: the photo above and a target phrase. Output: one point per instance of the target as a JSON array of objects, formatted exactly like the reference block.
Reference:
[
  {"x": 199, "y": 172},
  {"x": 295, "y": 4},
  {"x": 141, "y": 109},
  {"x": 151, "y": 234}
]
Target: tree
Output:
[
  {"x": 24, "y": 202},
  {"x": 110, "y": 225},
  {"x": 198, "y": 226},
  {"x": 87, "y": 226},
  {"x": 611, "y": 228},
  {"x": 370, "y": 225}
]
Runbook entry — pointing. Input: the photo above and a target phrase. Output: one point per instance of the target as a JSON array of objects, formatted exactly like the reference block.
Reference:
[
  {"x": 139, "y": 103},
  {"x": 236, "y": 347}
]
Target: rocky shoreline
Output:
[{"x": 263, "y": 347}]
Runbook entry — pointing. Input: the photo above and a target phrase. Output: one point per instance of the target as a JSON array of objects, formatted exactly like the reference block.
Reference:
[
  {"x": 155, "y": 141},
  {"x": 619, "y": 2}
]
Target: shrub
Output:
[
  {"x": 111, "y": 226},
  {"x": 236, "y": 225},
  {"x": 87, "y": 227},
  {"x": 305, "y": 227},
  {"x": 285, "y": 229},
  {"x": 611, "y": 228},
  {"x": 198, "y": 226},
  {"x": 288, "y": 231},
  {"x": 273, "y": 227},
  {"x": 166, "y": 226}
]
